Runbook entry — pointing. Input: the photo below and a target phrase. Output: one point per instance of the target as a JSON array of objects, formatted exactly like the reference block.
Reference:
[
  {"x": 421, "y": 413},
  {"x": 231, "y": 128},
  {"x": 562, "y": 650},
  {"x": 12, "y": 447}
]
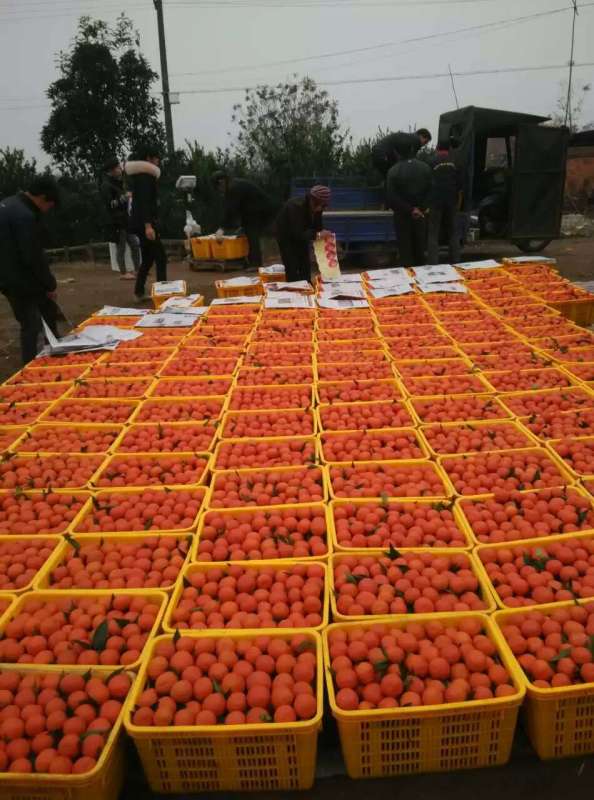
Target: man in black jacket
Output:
[
  {"x": 115, "y": 200},
  {"x": 298, "y": 224},
  {"x": 408, "y": 188},
  {"x": 144, "y": 216},
  {"x": 245, "y": 205},
  {"x": 443, "y": 205},
  {"x": 395, "y": 146},
  {"x": 25, "y": 277}
]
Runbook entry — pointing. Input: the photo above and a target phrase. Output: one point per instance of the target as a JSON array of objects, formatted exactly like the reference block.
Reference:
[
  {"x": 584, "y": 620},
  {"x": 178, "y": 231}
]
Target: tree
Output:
[
  {"x": 577, "y": 100},
  {"x": 15, "y": 171},
  {"x": 288, "y": 130},
  {"x": 101, "y": 102}
]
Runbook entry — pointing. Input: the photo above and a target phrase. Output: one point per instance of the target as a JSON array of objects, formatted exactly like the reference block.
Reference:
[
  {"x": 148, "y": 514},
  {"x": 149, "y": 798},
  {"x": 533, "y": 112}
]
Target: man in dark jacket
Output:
[
  {"x": 245, "y": 205},
  {"x": 25, "y": 277},
  {"x": 395, "y": 146},
  {"x": 144, "y": 216},
  {"x": 444, "y": 202},
  {"x": 298, "y": 224},
  {"x": 115, "y": 200},
  {"x": 408, "y": 188}
]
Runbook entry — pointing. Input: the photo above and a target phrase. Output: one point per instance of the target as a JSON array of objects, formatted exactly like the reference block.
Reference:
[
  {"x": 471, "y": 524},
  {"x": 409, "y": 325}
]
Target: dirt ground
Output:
[{"x": 84, "y": 287}]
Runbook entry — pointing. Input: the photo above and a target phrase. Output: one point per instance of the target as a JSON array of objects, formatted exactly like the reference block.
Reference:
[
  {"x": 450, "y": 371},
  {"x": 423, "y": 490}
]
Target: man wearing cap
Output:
[
  {"x": 298, "y": 224},
  {"x": 143, "y": 176},
  {"x": 115, "y": 200},
  {"x": 26, "y": 279},
  {"x": 244, "y": 205}
]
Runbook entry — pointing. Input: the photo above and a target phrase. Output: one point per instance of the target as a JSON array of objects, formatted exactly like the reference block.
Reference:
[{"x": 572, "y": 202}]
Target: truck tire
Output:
[{"x": 532, "y": 245}]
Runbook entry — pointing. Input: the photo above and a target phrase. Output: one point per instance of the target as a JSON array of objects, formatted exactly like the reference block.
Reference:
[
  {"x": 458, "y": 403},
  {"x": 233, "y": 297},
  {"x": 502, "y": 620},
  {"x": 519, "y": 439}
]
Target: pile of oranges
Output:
[{"x": 198, "y": 529}]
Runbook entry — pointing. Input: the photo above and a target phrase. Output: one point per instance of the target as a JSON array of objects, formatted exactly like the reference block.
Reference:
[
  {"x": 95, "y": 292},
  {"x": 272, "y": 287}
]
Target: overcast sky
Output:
[{"x": 235, "y": 43}]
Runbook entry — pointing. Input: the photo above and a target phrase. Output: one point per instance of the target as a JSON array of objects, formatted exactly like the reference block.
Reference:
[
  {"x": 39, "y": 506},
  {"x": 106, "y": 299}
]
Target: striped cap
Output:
[{"x": 321, "y": 193}]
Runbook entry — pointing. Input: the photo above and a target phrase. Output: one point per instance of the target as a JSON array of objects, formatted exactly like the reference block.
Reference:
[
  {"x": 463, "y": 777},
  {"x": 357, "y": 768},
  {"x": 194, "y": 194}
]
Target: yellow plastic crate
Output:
[
  {"x": 39, "y": 456},
  {"x": 231, "y": 248},
  {"x": 55, "y": 542},
  {"x": 485, "y": 589},
  {"x": 224, "y": 444},
  {"x": 201, "y": 248},
  {"x": 111, "y": 462},
  {"x": 457, "y": 514},
  {"x": 167, "y": 402},
  {"x": 8, "y": 598},
  {"x": 237, "y": 415},
  {"x": 49, "y": 596},
  {"x": 98, "y": 497},
  {"x": 531, "y": 440},
  {"x": 579, "y": 311},
  {"x": 159, "y": 298},
  {"x": 243, "y": 290},
  {"x": 476, "y": 542},
  {"x": 374, "y": 432},
  {"x": 559, "y": 722},
  {"x": 252, "y": 471},
  {"x": 405, "y": 463},
  {"x": 280, "y": 389},
  {"x": 203, "y": 566},
  {"x": 224, "y": 512},
  {"x": 233, "y": 758},
  {"x": 543, "y": 542},
  {"x": 565, "y": 477},
  {"x": 103, "y": 782},
  {"x": 66, "y": 550},
  {"x": 402, "y": 741}
]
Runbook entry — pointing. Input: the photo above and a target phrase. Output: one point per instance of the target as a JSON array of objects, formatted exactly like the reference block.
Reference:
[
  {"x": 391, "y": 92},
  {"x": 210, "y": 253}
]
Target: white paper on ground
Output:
[
  {"x": 488, "y": 263},
  {"x": 380, "y": 292},
  {"x": 169, "y": 287},
  {"x": 103, "y": 333},
  {"x": 436, "y": 273},
  {"x": 288, "y": 300},
  {"x": 289, "y": 286},
  {"x": 273, "y": 269},
  {"x": 95, "y": 339},
  {"x": 118, "y": 311},
  {"x": 343, "y": 291},
  {"x": 346, "y": 278},
  {"x": 531, "y": 260},
  {"x": 167, "y": 320},
  {"x": 241, "y": 280},
  {"x": 232, "y": 301},
  {"x": 458, "y": 288},
  {"x": 341, "y": 305},
  {"x": 399, "y": 273}
]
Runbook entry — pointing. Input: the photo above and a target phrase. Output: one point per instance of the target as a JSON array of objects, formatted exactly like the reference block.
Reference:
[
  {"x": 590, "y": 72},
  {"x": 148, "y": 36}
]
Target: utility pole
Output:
[
  {"x": 164, "y": 76},
  {"x": 568, "y": 110}
]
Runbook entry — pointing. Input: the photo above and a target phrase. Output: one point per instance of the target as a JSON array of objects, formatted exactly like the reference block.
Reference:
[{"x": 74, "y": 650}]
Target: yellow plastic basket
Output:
[
  {"x": 230, "y": 248},
  {"x": 6, "y": 601},
  {"x": 366, "y": 501},
  {"x": 221, "y": 475},
  {"x": 119, "y": 446},
  {"x": 159, "y": 298},
  {"x": 67, "y": 550},
  {"x": 484, "y": 592},
  {"x": 229, "y": 757},
  {"x": 97, "y": 498},
  {"x": 201, "y": 248},
  {"x": 229, "y": 416},
  {"x": 246, "y": 510},
  {"x": 543, "y": 542},
  {"x": 243, "y": 290},
  {"x": 560, "y": 721},
  {"x": 111, "y": 462},
  {"x": 531, "y": 440},
  {"x": 448, "y": 489},
  {"x": 104, "y": 781},
  {"x": 153, "y": 595},
  {"x": 374, "y": 432},
  {"x": 565, "y": 477},
  {"x": 401, "y": 741},
  {"x": 302, "y": 440},
  {"x": 203, "y": 566},
  {"x": 96, "y": 460}
]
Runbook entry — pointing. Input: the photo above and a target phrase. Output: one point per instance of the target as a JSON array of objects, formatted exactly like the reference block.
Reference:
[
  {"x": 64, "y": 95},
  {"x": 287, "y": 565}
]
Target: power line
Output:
[
  {"x": 390, "y": 78},
  {"x": 369, "y": 48}
]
